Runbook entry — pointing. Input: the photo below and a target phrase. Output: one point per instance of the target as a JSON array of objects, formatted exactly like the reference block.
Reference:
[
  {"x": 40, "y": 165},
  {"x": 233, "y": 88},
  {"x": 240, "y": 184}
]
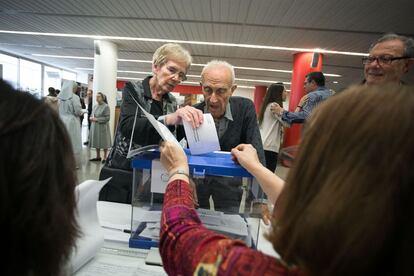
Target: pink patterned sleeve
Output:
[{"x": 188, "y": 248}]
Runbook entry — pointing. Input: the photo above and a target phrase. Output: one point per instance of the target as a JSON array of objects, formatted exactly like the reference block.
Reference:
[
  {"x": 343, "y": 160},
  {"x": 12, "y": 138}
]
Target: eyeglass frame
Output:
[
  {"x": 381, "y": 60},
  {"x": 174, "y": 71}
]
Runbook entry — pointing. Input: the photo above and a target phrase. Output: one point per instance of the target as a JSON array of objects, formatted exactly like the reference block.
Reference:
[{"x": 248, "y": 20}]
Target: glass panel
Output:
[
  {"x": 9, "y": 69},
  {"x": 31, "y": 77},
  {"x": 52, "y": 78},
  {"x": 68, "y": 75}
]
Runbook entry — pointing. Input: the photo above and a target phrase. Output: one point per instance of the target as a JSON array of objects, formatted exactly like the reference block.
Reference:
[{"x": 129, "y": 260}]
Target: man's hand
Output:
[
  {"x": 186, "y": 113},
  {"x": 276, "y": 109}
]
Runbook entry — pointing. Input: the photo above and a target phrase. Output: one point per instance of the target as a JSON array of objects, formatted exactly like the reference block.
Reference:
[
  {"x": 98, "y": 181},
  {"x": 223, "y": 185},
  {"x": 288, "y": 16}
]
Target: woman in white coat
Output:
[
  {"x": 270, "y": 125},
  {"x": 70, "y": 110}
]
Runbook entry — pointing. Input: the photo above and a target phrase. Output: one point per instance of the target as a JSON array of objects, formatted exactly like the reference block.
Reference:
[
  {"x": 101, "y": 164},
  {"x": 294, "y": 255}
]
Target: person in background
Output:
[
  {"x": 100, "y": 136},
  {"x": 37, "y": 187},
  {"x": 89, "y": 97},
  {"x": 52, "y": 99},
  {"x": 82, "y": 101},
  {"x": 270, "y": 126},
  {"x": 70, "y": 110},
  {"x": 390, "y": 57},
  {"x": 316, "y": 91},
  {"x": 346, "y": 184}
]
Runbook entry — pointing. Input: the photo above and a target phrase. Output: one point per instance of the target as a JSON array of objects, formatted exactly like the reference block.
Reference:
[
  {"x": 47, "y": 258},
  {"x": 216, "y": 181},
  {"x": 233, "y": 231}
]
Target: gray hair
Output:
[
  {"x": 223, "y": 63},
  {"x": 170, "y": 51},
  {"x": 407, "y": 41}
]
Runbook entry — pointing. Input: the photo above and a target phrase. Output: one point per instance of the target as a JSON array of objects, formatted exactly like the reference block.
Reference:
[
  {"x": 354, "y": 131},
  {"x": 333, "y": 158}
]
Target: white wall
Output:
[
  {"x": 245, "y": 92},
  {"x": 82, "y": 77}
]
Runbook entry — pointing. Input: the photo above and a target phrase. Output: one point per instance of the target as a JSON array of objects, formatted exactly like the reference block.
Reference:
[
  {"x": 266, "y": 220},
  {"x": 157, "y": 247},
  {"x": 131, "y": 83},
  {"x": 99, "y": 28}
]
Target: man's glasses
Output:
[
  {"x": 180, "y": 75},
  {"x": 381, "y": 60}
]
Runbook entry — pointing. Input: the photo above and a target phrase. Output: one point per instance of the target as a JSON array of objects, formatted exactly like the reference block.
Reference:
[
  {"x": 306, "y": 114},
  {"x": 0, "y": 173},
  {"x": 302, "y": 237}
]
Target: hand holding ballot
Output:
[{"x": 187, "y": 114}]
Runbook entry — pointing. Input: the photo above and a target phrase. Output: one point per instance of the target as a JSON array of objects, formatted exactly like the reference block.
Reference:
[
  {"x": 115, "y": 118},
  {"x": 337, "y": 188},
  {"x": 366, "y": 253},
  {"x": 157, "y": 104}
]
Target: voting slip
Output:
[{"x": 202, "y": 139}]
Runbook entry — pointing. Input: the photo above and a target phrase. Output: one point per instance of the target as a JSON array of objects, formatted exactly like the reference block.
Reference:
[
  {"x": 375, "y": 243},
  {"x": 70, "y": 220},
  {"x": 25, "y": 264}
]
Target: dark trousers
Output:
[
  {"x": 226, "y": 193},
  {"x": 271, "y": 160}
]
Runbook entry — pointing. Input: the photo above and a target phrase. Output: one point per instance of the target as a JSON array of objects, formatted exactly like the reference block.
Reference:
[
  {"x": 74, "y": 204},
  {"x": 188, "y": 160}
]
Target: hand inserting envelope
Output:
[{"x": 201, "y": 140}]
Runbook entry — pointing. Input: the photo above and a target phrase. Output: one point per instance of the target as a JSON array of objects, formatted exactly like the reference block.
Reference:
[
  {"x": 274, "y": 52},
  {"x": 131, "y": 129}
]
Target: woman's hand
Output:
[
  {"x": 173, "y": 157},
  {"x": 246, "y": 156}
]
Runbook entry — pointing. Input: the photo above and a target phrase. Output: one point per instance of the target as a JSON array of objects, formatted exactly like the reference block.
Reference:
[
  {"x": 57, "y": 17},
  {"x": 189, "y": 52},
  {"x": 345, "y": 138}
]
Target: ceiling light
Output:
[
  {"x": 251, "y": 46},
  {"x": 193, "y": 76},
  {"x": 57, "y": 56},
  {"x": 192, "y": 64}
]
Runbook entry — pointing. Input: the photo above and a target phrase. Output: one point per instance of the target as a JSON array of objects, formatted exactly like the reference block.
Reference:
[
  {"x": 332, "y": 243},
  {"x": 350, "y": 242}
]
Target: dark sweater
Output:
[{"x": 243, "y": 129}]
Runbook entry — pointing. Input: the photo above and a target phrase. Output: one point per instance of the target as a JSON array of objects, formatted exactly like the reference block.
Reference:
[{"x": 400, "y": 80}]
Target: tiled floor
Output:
[{"x": 88, "y": 169}]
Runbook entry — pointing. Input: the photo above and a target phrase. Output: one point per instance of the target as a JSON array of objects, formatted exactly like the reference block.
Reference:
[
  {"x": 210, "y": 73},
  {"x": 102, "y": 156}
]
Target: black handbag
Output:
[{"x": 119, "y": 188}]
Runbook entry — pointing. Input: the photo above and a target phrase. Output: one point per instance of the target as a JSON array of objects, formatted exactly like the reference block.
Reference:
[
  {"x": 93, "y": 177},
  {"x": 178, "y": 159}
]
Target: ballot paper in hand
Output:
[
  {"x": 202, "y": 139},
  {"x": 162, "y": 130},
  {"x": 91, "y": 239}
]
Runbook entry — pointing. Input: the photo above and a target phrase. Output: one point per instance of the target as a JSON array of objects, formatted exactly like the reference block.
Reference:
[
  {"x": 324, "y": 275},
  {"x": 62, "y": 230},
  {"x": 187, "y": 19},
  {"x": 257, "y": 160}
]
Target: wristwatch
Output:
[{"x": 179, "y": 171}]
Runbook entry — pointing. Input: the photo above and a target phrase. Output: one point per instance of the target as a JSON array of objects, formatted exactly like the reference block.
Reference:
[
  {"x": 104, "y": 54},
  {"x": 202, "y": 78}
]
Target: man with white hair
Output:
[{"x": 236, "y": 123}]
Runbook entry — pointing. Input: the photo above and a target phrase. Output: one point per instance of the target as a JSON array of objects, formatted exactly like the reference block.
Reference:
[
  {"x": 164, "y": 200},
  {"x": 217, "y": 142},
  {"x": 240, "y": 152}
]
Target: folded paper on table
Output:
[{"x": 91, "y": 235}]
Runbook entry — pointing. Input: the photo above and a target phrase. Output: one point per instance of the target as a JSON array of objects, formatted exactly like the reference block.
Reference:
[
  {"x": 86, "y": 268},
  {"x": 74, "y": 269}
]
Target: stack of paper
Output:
[{"x": 91, "y": 239}]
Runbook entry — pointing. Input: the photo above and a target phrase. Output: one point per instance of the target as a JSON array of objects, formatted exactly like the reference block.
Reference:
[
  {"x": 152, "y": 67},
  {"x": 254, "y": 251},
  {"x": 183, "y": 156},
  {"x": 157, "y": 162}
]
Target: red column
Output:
[
  {"x": 259, "y": 94},
  {"x": 303, "y": 64}
]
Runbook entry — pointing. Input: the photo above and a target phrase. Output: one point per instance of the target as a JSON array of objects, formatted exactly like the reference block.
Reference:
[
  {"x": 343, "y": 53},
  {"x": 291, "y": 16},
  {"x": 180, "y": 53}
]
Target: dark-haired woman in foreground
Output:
[{"x": 37, "y": 183}]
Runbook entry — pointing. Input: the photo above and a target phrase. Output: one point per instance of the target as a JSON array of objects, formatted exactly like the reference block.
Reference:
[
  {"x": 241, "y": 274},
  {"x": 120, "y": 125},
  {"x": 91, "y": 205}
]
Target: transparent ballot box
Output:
[{"x": 225, "y": 192}]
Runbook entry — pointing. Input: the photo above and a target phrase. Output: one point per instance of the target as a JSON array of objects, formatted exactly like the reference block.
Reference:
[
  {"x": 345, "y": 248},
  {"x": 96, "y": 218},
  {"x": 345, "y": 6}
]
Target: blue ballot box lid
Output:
[{"x": 217, "y": 163}]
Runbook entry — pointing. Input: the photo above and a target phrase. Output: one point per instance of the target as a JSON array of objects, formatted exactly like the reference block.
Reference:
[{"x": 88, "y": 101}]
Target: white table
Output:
[{"x": 116, "y": 258}]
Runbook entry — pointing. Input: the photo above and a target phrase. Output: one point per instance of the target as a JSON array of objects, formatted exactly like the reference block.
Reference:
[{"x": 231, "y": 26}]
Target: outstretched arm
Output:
[{"x": 271, "y": 184}]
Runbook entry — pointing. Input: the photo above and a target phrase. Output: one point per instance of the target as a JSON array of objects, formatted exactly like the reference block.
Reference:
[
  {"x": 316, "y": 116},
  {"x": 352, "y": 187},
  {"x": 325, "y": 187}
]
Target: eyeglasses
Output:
[
  {"x": 381, "y": 60},
  {"x": 174, "y": 71}
]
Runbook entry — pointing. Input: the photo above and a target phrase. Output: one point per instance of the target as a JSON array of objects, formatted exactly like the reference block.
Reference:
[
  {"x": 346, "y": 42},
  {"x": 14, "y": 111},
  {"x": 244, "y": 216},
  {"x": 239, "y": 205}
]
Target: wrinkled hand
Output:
[
  {"x": 186, "y": 113},
  {"x": 173, "y": 157},
  {"x": 246, "y": 156}
]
